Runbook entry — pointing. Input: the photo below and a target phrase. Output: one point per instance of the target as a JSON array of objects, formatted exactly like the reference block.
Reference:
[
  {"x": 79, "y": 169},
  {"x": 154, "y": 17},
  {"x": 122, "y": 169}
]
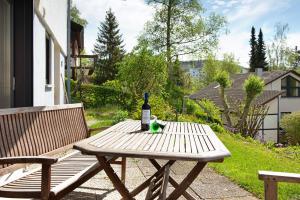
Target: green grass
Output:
[
  {"x": 101, "y": 117},
  {"x": 248, "y": 157}
]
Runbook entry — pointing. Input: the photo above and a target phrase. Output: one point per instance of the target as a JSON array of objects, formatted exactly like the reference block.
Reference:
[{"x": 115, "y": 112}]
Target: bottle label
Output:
[{"x": 145, "y": 116}]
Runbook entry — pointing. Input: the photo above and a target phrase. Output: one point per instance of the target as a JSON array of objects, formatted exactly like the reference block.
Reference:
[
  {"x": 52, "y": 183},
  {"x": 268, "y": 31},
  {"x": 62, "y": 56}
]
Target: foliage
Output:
[
  {"x": 224, "y": 81},
  {"x": 253, "y": 51},
  {"x": 94, "y": 96},
  {"x": 180, "y": 28},
  {"x": 204, "y": 110},
  {"x": 253, "y": 86},
  {"x": 120, "y": 115},
  {"x": 142, "y": 71},
  {"x": 75, "y": 16},
  {"x": 261, "y": 52},
  {"x": 248, "y": 157},
  {"x": 109, "y": 49},
  {"x": 279, "y": 54},
  {"x": 291, "y": 124},
  {"x": 212, "y": 66},
  {"x": 159, "y": 108}
]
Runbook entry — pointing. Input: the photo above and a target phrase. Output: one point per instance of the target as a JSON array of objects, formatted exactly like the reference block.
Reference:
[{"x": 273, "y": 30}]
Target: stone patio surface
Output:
[{"x": 208, "y": 185}]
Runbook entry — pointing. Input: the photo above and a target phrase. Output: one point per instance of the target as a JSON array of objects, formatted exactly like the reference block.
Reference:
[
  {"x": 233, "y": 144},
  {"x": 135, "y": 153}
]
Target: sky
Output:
[{"x": 241, "y": 15}]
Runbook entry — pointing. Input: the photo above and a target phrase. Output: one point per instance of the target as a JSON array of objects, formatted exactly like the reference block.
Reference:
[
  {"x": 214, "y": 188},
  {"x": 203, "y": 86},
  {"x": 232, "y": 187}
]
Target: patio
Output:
[{"x": 209, "y": 185}]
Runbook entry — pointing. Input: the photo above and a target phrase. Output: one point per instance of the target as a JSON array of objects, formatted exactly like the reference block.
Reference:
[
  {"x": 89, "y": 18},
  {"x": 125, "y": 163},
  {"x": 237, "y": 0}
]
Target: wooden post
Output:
[
  {"x": 123, "y": 169},
  {"x": 46, "y": 181},
  {"x": 270, "y": 190}
]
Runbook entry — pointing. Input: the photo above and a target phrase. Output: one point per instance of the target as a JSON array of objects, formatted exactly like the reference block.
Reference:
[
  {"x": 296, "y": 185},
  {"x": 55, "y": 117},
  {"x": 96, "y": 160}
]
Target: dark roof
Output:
[
  {"x": 77, "y": 34},
  {"x": 192, "y": 64},
  {"x": 236, "y": 92}
]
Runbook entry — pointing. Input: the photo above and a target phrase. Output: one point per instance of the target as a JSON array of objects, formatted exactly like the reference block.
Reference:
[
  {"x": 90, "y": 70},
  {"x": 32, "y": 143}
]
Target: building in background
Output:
[
  {"x": 281, "y": 94},
  {"x": 33, "y": 48},
  {"x": 193, "y": 67}
]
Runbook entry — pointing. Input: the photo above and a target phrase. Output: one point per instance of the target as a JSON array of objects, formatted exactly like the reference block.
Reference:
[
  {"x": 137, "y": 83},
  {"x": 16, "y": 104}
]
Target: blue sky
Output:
[{"x": 240, "y": 14}]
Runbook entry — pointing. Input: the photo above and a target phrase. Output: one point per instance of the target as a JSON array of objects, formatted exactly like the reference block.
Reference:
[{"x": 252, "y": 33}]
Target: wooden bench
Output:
[
  {"x": 32, "y": 135},
  {"x": 272, "y": 178},
  {"x": 158, "y": 185}
]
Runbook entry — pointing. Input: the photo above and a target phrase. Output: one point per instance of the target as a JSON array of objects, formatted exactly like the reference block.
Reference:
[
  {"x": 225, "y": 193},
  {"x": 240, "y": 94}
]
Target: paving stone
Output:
[{"x": 208, "y": 185}]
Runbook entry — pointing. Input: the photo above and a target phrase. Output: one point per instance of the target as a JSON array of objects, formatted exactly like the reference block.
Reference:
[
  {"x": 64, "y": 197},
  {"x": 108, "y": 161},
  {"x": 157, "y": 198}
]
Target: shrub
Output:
[
  {"x": 120, "y": 116},
  {"x": 159, "y": 108},
  {"x": 94, "y": 96},
  {"x": 204, "y": 110},
  {"x": 291, "y": 124}
]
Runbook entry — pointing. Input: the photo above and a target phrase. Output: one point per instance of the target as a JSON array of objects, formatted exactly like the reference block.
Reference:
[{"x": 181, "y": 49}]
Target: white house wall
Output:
[
  {"x": 54, "y": 12},
  {"x": 43, "y": 95},
  {"x": 270, "y": 122}
]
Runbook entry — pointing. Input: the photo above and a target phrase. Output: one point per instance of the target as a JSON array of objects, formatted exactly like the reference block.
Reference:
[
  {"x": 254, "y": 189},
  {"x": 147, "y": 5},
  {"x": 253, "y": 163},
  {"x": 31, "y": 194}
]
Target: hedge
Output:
[{"x": 94, "y": 96}]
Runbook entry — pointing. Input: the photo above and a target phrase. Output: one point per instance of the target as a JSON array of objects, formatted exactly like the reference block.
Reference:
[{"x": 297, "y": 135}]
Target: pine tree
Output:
[
  {"x": 261, "y": 52},
  {"x": 109, "y": 48},
  {"x": 253, "y": 44}
]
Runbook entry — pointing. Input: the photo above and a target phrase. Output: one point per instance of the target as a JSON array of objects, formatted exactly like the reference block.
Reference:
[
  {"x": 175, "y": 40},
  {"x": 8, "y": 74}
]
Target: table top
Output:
[{"x": 178, "y": 141}]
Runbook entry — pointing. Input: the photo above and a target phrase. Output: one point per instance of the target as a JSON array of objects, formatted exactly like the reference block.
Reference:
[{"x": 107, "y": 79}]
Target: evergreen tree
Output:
[
  {"x": 109, "y": 49},
  {"x": 253, "y": 44},
  {"x": 261, "y": 52}
]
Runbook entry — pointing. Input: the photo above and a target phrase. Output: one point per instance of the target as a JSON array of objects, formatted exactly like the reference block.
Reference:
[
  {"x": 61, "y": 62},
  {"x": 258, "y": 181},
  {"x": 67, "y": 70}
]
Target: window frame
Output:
[{"x": 288, "y": 88}]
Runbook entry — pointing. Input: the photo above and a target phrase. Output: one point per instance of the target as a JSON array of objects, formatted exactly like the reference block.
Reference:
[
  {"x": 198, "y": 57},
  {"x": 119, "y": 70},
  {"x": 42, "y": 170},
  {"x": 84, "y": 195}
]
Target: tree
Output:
[
  {"x": 253, "y": 45},
  {"x": 261, "y": 52},
  {"x": 179, "y": 28},
  {"x": 224, "y": 81},
  {"x": 142, "y": 71},
  {"x": 278, "y": 51},
  {"x": 212, "y": 66},
  {"x": 109, "y": 49},
  {"x": 75, "y": 16},
  {"x": 253, "y": 86}
]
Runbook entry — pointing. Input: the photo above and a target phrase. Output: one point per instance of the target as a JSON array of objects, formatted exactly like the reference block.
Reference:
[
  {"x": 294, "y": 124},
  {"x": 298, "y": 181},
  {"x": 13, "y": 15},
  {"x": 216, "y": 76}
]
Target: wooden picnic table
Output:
[{"x": 178, "y": 141}]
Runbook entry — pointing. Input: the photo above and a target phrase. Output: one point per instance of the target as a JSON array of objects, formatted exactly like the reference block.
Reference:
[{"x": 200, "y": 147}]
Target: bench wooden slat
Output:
[{"x": 279, "y": 176}]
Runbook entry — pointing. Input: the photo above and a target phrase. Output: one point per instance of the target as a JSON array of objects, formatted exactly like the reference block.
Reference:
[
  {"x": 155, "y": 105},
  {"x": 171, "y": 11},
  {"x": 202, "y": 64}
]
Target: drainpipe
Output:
[{"x": 68, "y": 52}]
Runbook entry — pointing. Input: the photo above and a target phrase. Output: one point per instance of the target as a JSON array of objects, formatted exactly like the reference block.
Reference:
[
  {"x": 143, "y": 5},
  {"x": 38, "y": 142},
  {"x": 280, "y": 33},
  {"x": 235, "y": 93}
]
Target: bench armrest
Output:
[
  {"x": 28, "y": 159},
  {"x": 279, "y": 176}
]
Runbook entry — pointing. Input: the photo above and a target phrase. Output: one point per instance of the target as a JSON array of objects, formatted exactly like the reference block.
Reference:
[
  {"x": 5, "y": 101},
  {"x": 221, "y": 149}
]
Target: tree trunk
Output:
[
  {"x": 245, "y": 113},
  {"x": 168, "y": 39},
  {"x": 226, "y": 109}
]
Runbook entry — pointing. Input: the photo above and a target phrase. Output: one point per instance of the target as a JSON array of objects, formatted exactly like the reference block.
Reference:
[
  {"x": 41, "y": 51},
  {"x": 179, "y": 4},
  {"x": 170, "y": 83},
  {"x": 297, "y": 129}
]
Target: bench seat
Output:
[{"x": 66, "y": 174}]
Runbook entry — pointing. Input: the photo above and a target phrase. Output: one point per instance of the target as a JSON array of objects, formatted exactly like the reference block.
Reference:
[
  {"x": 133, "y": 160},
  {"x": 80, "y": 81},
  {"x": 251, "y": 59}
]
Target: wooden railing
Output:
[{"x": 271, "y": 180}]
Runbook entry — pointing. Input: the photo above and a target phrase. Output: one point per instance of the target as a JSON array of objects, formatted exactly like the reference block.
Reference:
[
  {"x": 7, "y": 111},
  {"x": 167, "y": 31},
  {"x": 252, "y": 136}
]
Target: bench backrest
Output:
[{"x": 35, "y": 131}]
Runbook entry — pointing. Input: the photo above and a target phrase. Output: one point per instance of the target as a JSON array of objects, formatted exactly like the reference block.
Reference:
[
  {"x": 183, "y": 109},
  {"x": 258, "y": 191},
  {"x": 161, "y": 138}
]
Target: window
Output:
[
  {"x": 48, "y": 59},
  {"x": 291, "y": 86}
]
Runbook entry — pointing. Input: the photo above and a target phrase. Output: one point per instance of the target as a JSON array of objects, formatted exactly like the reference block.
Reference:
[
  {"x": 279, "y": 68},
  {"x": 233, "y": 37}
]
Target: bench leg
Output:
[
  {"x": 172, "y": 181},
  {"x": 46, "y": 181},
  {"x": 187, "y": 181},
  {"x": 114, "y": 178},
  {"x": 270, "y": 190},
  {"x": 123, "y": 169}
]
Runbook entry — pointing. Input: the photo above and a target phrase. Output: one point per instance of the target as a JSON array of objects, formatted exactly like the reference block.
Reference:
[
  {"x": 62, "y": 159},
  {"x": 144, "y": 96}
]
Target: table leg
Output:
[
  {"x": 145, "y": 184},
  {"x": 114, "y": 178},
  {"x": 172, "y": 181},
  {"x": 187, "y": 181}
]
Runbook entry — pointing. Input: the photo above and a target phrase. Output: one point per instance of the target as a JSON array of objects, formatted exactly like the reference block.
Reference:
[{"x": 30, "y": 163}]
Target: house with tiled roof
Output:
[{"x": 281, "y": 95}]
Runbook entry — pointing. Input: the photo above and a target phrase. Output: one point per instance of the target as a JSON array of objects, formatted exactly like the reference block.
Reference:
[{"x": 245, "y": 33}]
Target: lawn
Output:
[{"x": 248, "y": 157}]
